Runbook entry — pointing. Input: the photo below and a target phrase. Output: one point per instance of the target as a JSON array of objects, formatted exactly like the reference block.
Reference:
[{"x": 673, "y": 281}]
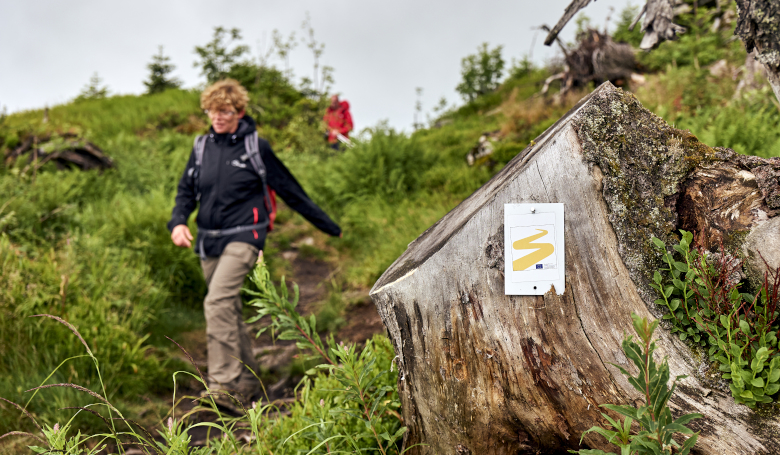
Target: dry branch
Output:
[{"x": 68, "y": 149}]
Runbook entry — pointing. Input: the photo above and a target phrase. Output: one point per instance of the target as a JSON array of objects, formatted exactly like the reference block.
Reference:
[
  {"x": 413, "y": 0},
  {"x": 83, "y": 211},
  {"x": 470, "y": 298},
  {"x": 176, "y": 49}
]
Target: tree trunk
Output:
[
  {"x": 758, "y": 26},
  {"x": 486, "y": 373}
]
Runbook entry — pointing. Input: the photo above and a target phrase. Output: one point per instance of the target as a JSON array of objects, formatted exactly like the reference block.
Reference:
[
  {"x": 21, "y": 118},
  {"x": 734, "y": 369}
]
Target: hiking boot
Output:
[{"x": 239, "y": 392}]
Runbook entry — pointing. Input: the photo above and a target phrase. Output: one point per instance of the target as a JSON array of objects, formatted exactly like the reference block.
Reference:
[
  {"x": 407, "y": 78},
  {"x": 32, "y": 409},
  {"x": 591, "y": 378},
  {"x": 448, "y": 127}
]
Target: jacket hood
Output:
[
  {"x": 246, "y": 125},
  {"x": 343, "y": 106}
]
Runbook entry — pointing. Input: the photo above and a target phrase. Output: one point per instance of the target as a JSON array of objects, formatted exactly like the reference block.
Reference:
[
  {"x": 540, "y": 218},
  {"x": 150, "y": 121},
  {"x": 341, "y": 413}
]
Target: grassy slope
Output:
[{"x": 93, "y": 247}]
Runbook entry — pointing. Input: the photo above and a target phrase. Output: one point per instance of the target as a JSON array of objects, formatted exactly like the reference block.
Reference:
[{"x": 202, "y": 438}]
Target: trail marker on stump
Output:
[{"x": 534, "y": 249}]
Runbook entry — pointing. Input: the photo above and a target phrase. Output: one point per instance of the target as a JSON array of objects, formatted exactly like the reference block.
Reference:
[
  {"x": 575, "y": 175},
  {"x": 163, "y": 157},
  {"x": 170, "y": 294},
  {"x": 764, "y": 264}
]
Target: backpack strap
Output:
[
  {"x": 252, "y": 145},
  {"x": 197, "y": 147}
]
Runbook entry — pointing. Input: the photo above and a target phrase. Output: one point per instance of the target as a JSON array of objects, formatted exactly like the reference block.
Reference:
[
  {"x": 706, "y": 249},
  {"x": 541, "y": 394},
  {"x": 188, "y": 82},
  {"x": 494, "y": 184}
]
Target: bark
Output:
[
  {"x": 758, "y": 25},
  {"x": 596, "y": 58},
  {"x": 486, "y": 373},
  {"x": 658, "y": 24},
  {"x": 68, "y": 150}
]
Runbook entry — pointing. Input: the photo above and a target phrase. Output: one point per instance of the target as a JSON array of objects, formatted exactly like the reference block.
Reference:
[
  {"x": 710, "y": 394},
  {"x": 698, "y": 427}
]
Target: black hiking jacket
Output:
[{"x": 232, "y": 192}]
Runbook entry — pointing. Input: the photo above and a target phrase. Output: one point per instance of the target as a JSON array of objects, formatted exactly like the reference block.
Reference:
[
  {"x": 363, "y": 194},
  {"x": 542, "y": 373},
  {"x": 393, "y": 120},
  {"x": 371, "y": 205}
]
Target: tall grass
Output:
[
  {"x": 92, "y": 247},
  {"x": 352, "y": 409}
]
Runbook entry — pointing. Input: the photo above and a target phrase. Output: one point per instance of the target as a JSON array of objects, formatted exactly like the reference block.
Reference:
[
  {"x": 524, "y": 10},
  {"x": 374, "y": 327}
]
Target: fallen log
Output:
[
  {"x": 757, "y": 27},
  {"x": 65, "y": 150},
  {"x": 481, "y": 372},
  {"x": 595, "y": 58}
]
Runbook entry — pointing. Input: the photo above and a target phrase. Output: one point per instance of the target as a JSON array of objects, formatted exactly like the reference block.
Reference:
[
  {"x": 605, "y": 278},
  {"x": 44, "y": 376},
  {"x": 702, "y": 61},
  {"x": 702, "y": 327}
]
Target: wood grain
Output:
[{"x": 486, "y": 373}]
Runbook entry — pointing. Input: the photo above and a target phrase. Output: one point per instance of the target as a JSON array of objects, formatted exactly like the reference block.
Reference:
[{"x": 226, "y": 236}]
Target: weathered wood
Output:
[
  {"x": 758, "y": 25},
  {"x": 595, "y": 58},
  {"x": 486, "y": 373},
  {"x": 658, "y": 24},
  {"x": 81, "y": 153}
]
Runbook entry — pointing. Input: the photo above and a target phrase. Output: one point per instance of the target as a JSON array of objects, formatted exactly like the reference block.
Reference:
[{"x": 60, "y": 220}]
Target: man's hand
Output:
[{"x": 182, "y": 236}]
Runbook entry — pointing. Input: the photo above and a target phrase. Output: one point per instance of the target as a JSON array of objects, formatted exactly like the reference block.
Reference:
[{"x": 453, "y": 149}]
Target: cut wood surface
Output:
[{"x": 486, "y": 373}]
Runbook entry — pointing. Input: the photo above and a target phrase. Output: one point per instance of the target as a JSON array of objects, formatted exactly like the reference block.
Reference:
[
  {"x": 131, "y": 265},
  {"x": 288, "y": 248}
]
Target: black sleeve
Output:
[
  {"x": 185, "y": 197},
  {"x": 282, "y": 181}
]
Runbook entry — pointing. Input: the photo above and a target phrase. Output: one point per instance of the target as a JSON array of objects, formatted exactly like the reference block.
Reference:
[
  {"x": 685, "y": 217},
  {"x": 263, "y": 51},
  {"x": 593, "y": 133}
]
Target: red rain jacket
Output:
[{"x": 338, "y": 119}]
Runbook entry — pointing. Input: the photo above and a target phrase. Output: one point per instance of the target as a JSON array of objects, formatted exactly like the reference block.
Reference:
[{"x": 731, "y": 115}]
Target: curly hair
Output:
[{"x": 227, "y": 92}]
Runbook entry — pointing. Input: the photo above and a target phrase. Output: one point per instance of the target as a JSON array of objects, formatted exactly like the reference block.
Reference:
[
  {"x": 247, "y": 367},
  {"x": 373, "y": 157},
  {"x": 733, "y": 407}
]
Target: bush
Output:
[
  {"x": 349, "y": 403},
  {"x": 481, "y": 72}
]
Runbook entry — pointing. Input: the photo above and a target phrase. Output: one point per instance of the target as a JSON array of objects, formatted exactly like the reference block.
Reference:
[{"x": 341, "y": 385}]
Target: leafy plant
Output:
[
  {"x": 743, "y": 331},
  {"x": 351, "y": 409},
  {"x": 362, "y": 398},
  {"x": 481, "y": 72},
  {"x": 677, "y": 289},
  {"x": 216, "y": 57},
  {"x": 739, "y": 329},
  {"x": 657, "y": 428}
]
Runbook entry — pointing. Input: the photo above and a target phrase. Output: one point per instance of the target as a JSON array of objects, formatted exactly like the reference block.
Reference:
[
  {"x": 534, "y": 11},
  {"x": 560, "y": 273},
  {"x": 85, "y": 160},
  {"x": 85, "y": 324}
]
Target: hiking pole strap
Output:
[{"x": 216, "y": 233}]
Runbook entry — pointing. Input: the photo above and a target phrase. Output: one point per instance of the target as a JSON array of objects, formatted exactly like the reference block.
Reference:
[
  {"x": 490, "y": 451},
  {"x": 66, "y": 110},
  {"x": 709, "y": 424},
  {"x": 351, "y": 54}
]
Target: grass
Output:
[{"x": 92, "y": 247}]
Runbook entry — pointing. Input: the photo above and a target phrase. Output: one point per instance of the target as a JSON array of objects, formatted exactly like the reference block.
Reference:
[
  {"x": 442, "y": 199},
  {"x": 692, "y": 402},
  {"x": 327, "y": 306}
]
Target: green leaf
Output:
[
  {"x": 688, "y": 444},
  {"x": 681, "y": 266},
  {"x": 747, "y": 376},
  {"x": 657, "y": 277},
  {"x": 746, "y": 394},
  {"x": 757, "y": 382},
  {"x": 683, "y": 336},
  {"x": 668, "y": 291},
  {"x": 687, "y": 418},
  {"x": 658, "y": 243},
  {"x": 591, "y": 452},
  {"x": 674, "y": 304},
  {"x": 774, "y": 375},
  {"x": 771, "y": 389},
  {"x": 626, "y": 411}
]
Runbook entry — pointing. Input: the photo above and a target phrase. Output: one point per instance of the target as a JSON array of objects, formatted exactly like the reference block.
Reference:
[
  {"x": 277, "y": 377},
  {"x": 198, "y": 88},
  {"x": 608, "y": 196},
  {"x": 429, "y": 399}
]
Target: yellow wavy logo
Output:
[{"x": 543, "y": 250}]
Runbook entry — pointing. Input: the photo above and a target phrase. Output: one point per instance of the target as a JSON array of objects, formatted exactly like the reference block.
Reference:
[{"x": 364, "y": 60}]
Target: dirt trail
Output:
[{"x": 304, "y": 261}]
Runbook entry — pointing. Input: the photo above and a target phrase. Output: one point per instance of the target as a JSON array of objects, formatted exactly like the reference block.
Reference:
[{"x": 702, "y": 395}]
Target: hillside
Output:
[{"x": 91, "y": 246}]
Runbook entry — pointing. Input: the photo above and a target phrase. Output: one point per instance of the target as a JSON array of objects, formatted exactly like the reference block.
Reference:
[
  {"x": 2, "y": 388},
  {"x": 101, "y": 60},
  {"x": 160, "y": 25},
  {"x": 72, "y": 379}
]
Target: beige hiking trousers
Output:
[{"x": 228, "y": 340}]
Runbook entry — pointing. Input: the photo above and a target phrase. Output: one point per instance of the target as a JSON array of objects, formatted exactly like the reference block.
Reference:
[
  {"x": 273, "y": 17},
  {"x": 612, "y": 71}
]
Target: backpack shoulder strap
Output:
[
  {"x": 252, "y": 145},
  {"x": 198, "y": 147}
]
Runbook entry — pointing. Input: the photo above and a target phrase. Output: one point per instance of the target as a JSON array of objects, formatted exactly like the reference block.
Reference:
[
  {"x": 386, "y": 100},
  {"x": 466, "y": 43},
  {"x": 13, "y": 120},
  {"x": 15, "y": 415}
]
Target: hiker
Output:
[
  {"x": 237, "y": 206},
  {"x": 338, "y": 121}
]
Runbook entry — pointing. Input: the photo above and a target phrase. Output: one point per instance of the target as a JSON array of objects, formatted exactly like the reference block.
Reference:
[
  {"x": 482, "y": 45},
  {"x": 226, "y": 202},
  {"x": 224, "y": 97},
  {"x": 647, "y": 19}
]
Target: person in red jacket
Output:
[{"x": 338, "y": 120}]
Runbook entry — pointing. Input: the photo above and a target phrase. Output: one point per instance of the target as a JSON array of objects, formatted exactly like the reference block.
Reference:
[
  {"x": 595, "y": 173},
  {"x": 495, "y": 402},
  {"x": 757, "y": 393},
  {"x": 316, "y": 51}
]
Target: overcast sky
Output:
[{"x": 380, "y": 50}]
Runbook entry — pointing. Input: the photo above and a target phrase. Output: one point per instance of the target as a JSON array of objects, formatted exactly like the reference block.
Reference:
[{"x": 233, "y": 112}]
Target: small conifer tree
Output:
[
  {"x": 94, "y": 89},
  {"x": 159, "y": 74}
]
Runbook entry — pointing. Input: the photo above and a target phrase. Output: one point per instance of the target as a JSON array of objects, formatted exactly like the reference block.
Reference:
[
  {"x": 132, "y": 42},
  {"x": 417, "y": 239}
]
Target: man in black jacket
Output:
[{"x": 233, "y": 212}]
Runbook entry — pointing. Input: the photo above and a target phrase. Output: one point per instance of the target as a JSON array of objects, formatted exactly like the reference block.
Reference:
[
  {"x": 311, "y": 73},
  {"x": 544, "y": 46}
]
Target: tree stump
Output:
[{"x": 481, "y": 372}]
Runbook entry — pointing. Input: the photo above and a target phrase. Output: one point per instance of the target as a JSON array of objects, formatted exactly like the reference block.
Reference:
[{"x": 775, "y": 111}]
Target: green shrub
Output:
[
  {"x": 481, "y": 72},
  {"x": 656, "y": 426},
  {"x": 738, "y": 329},
  {"x": 349, "y": 403}
]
